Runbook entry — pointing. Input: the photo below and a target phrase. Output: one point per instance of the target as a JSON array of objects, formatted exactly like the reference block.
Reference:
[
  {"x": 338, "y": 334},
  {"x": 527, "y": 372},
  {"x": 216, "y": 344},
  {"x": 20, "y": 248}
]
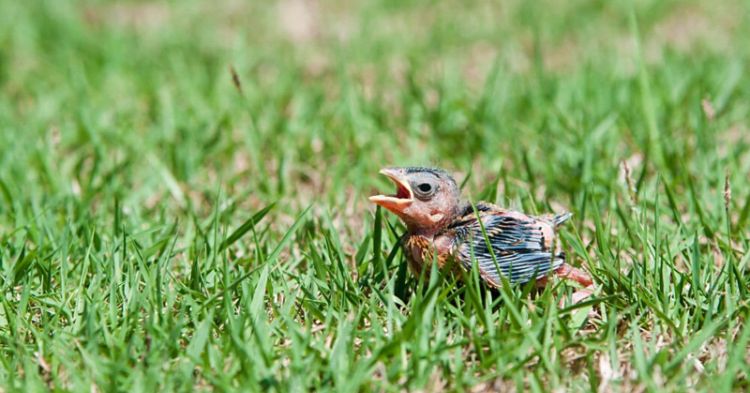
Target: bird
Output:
[{"x": 442, "y": 227}]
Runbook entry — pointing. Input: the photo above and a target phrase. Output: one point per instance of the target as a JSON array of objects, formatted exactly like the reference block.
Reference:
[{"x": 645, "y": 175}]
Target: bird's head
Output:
[{"x": 426, "y": 199}]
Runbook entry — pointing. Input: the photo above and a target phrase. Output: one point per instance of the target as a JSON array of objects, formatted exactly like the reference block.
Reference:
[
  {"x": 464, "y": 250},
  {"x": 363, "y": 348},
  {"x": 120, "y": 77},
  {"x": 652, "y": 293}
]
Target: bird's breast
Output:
[{"x": 422, "y": 250}]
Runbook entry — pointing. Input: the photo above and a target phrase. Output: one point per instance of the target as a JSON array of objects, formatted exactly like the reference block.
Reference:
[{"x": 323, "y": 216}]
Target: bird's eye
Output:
[{"x": 424, "y": 190}]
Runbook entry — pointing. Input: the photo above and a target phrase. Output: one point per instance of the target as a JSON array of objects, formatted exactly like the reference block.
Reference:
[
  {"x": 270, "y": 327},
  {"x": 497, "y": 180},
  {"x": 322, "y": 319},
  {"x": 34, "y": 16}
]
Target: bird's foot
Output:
[
  {"x": 579, "y": 276},
  {"x": 578, "y": 296},
  {"x": 575, "y": 274}
]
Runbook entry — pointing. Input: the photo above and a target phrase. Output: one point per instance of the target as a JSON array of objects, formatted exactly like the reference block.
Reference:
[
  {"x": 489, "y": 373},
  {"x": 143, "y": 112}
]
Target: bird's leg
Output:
[
  {"x": 575, "y": 274},
  {"x": 579, "y": 276}
]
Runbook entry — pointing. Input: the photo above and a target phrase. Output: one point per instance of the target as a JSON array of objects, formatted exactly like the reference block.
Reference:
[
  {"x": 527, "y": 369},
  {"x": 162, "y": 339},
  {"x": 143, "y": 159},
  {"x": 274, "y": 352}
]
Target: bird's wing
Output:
[{"x": 521, "y": 246}]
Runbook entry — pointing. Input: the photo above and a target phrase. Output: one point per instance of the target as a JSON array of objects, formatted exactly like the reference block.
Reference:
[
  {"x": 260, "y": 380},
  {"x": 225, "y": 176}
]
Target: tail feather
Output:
[{"x": 561, "y": 218}]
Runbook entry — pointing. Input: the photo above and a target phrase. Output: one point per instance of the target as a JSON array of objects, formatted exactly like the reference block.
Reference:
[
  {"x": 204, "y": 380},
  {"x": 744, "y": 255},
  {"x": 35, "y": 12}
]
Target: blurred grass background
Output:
[{"x": 129, "y": 157}]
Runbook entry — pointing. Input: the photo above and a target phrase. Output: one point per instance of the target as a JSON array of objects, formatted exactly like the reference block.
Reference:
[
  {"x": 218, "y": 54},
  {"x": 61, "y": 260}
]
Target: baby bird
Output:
[{"x": 442, "y": 227}]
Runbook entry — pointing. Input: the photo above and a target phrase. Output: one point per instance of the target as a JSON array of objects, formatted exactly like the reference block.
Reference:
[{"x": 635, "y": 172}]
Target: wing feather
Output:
[{"x": 517, "y": 242}]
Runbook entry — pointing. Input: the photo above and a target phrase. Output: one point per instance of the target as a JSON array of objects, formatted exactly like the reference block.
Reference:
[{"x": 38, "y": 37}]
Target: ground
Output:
[{"x": 183, "y": 193}]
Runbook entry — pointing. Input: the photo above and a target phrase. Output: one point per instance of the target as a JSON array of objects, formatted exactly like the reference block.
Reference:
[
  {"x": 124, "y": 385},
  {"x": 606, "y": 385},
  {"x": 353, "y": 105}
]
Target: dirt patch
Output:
[
  {"x": 136, "y": 16},
  {"x": 299, "y": 19},
  {"x": 687, "y": 27}
]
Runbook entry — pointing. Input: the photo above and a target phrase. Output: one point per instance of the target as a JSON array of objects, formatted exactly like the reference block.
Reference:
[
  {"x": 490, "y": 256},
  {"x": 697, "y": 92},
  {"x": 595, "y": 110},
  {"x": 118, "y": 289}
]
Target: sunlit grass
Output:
[{"x": 163, "y": 226}]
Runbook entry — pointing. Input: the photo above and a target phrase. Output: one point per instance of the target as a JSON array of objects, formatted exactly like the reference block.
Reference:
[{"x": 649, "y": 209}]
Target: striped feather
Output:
[{"x": 516, "y": 240}]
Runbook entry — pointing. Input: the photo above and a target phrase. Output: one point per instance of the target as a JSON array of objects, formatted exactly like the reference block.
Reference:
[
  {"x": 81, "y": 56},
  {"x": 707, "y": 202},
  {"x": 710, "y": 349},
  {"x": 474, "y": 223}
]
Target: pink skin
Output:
[
  {"x": 427, "y": 216},
  {"x": 577, "y": 275}
]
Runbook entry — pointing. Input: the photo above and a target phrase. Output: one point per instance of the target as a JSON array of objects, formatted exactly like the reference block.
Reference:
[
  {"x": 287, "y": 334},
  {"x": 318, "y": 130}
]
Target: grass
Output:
[{"x": 167, "y": 225}]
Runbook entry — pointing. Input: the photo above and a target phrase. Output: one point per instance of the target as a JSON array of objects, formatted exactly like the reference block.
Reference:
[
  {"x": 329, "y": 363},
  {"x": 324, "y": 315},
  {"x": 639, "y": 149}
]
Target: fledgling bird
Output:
[{"x": 441, "y": 226}]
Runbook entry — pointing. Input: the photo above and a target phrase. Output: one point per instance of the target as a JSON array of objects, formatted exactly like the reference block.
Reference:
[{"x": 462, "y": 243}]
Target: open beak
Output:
[{"x": 403, "y": 196}]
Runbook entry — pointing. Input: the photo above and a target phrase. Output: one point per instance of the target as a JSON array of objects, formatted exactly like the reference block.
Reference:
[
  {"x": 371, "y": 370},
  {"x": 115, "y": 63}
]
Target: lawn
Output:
[{"x": 183, "y": 193}]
